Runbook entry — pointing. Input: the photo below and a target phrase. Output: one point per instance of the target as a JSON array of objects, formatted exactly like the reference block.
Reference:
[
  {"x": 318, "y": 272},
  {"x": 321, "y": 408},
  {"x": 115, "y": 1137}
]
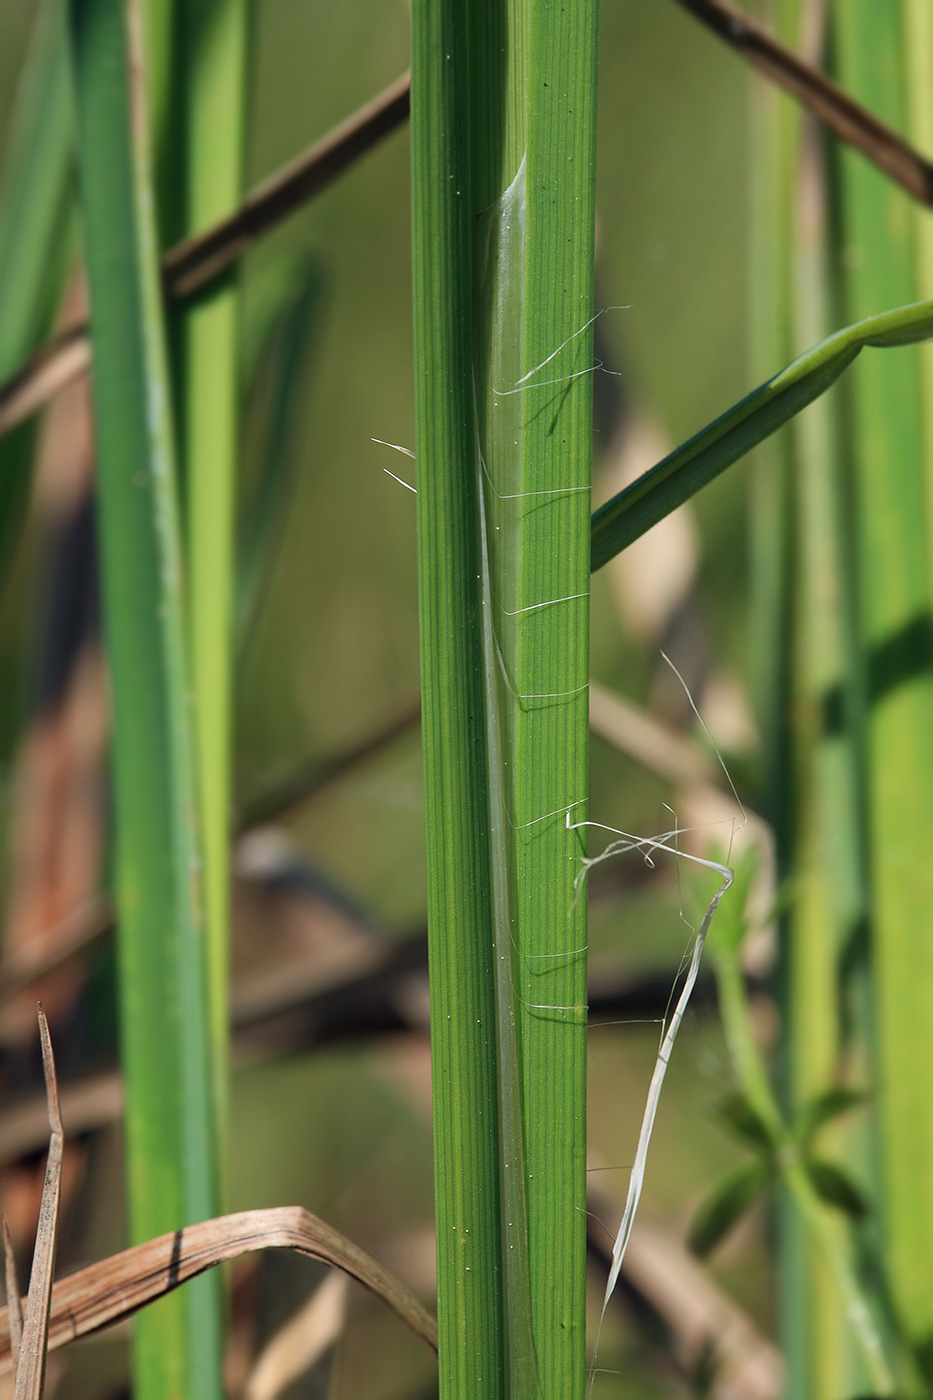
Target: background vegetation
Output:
[{"x": 716, "y": 282}]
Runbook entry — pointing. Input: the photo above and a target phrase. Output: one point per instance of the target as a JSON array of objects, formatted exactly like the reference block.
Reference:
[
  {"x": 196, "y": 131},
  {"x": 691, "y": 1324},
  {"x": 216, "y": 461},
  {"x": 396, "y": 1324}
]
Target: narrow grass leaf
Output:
[
  {"x": 688, "y": 468},
  {"x": 725, "y": 1205},
  {"x": 503, "y": 163},
  {"x": 471, "y": 1318},
  {"x": 203, "y": 177},
  {"x": 282, "y": 360},
  {"x": 36, "y": 192},
  {"x": 825, "y": 1108},
  {"x": 744, "y": 1119},
  {"x": 889, "y": 437},
  {"x": 836, "y": 1187},
  {"x": 214, "y": 78},
  {"x": 166, "y": 1044}
]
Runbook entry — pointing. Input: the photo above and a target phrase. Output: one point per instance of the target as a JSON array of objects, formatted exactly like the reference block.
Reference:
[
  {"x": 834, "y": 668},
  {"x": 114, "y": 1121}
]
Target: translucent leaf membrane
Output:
[
  {"x": 525, "y": 687},
  {"x": 499, "y": 433}
]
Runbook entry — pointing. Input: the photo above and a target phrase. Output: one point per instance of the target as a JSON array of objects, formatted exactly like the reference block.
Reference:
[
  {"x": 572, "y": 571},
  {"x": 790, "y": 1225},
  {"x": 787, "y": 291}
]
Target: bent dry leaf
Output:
[
  {"x": 113, "y": 1289},
  {"x": 698, "y": 461}
]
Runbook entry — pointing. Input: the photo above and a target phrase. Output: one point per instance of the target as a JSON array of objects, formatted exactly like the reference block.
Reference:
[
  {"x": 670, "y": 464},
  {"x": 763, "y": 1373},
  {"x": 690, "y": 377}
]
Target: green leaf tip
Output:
[
  {"x": 747, "y": 1122},
  {"x": 628, "y": 515},
  {"x": 836, "y": 1188}
]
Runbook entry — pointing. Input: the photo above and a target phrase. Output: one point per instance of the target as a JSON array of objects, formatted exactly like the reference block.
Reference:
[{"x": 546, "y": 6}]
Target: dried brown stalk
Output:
[
  {"x": 30, "y": 1370},
  {"x": 14, "y": 1301}
]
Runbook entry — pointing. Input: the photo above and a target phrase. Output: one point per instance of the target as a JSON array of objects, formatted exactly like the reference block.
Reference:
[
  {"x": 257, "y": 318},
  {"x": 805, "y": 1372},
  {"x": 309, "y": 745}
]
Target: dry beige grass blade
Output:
[
  {"x": 30, "y": 1371},
  {"x": 301, "y": 1342},
  {"x": 12, "y": 1296},
  {"x": 708, "y": 1326},
  {"x": 109, "y": 1291}
]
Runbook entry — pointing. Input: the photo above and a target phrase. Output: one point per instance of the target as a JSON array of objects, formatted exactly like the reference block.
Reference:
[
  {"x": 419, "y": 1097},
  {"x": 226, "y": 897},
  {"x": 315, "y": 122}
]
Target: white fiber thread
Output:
[
  {"x": 669, "y": 1031},
  {"x": 407, "y": 452},
  {"x": 554, "y": 353}
]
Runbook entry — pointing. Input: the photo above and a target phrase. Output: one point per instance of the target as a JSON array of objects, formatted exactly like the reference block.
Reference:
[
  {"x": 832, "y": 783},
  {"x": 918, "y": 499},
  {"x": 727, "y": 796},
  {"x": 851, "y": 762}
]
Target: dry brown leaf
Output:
[
  {"x": 12, "y": 1295},
  {"x": 107, "y": 1292},
  {"x": 30, "y": 1371}
]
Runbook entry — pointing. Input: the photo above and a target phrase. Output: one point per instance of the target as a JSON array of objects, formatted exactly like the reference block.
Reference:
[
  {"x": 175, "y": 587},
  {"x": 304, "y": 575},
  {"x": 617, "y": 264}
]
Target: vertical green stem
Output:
[
  {"x": 471, "y": 1319},
  {"x": 550, "y": 756},
  {"x": 215, "y": 73},
  {"x": 170, "y": 1116},
  {"x": 826, "y": 986},
  {"x": 892, "y": 493},
  {"x": 814, "y": 1216},
  {"x": 503, "y": 107}
]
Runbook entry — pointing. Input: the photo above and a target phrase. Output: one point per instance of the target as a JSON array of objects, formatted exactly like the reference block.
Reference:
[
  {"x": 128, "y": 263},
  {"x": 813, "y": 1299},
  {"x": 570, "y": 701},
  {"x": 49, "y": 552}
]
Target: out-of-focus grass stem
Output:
[{"x": 165, "y": 1023}]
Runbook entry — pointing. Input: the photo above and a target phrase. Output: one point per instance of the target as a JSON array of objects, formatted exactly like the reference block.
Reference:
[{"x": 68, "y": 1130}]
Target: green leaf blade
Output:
[
  {"x": 170, "y": 1116},
  {"x": 692, "y": 466},
  {"x": 725, "y": 1205}
]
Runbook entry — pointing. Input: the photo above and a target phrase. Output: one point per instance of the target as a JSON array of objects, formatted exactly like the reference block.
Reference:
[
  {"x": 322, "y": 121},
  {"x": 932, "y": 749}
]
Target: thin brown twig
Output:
[
  {"x": 840, "y": 113},
  {"x": 193, "y": 264},
  {"x": 306, "y": 781}
]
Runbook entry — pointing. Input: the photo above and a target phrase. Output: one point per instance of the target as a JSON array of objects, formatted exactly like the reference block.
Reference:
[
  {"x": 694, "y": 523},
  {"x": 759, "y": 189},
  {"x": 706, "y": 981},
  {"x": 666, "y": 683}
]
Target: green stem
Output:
[
  {"x": 503, "y": 107},
  {"x": 170, "y": 1115},
  {"x": 215, "y": 74}
]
